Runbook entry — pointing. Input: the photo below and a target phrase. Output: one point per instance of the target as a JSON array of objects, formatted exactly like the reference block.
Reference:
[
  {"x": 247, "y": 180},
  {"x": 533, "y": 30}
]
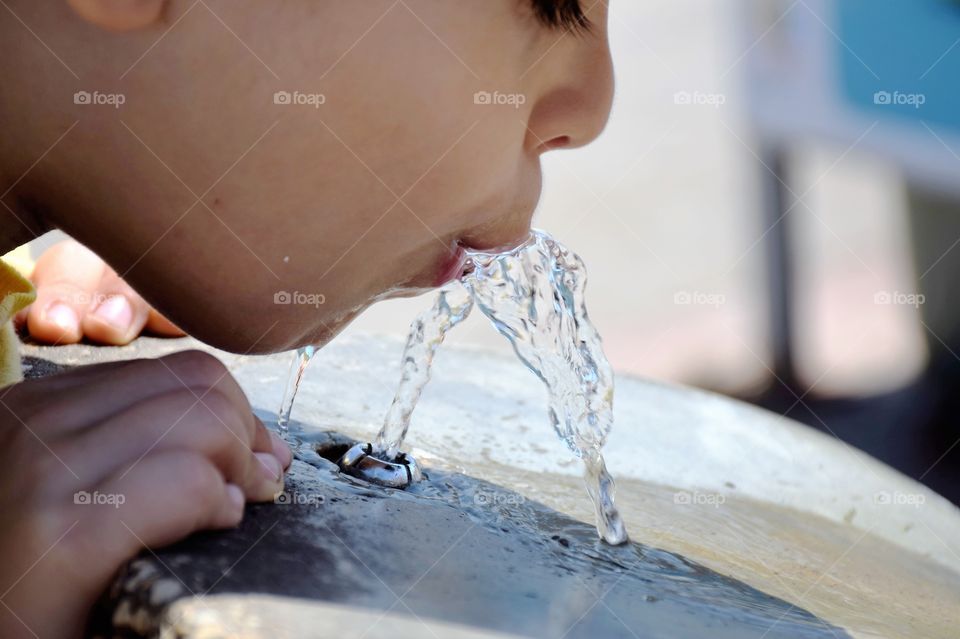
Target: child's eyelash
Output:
[{"x": 562, "y": 14}]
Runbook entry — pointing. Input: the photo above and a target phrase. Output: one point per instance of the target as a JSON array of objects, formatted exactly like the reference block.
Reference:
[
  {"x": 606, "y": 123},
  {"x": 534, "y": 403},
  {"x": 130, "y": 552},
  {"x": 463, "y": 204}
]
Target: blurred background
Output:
[{"x": 772, "y": 214}]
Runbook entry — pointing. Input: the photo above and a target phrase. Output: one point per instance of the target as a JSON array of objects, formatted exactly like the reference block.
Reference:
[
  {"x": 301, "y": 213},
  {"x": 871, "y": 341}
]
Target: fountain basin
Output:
[{"x": 720, "y": 497}]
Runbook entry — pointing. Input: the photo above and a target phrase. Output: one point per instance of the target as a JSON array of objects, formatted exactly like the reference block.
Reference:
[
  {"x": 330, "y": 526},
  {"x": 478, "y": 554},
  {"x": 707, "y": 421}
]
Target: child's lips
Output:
[{"x": 451, "y": 268}]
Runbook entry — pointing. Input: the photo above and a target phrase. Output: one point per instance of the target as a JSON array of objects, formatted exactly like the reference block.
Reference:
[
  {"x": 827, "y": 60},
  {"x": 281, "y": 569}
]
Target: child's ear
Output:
[{"x": 119, "y": 15}]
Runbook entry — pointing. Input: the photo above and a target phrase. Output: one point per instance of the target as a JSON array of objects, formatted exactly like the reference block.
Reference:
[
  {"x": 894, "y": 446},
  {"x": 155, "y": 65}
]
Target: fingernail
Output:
[
  {"x": 281, "y": 450},
  {"x": 235, "y": 494},
  {"x": 116, "y": 311},
  {"x": 63, "y": 317},
  {"x": 270, "y": 466}
]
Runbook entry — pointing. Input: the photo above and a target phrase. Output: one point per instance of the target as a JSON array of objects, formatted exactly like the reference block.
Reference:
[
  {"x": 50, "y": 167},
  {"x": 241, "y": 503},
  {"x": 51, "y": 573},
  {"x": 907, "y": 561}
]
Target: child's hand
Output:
[
  {"x": 79, "y": 296},
  {"x": 99, "y": 462}
]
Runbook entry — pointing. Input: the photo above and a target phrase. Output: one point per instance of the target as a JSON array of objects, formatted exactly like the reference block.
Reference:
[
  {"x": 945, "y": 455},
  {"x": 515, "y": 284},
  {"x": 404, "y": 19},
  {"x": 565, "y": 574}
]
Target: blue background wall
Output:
[{"x": 900, "y": 40}]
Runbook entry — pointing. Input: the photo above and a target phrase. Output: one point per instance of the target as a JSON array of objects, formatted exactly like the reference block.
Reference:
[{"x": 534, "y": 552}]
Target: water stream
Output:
[
  {"x": 297, "y": 368},
  {"x": 534, "y": 296},
  {"x": 452, "y": 305}
]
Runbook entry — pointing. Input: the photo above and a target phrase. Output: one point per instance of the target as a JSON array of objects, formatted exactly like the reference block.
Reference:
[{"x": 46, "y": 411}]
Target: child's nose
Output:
[{"x": 574, "y": 104}]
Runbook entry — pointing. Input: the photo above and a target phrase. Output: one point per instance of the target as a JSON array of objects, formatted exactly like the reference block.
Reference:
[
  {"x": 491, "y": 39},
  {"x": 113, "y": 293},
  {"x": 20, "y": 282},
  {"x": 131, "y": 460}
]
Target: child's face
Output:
[{"x": 364, "y": 196}]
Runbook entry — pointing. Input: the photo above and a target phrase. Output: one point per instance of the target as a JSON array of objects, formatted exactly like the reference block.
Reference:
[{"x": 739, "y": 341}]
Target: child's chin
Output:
[
  {"x": 405, "y": 292},
  {"x": 286, "y": 336},
  {"x": 267, "y": 340},
  {"x": 325, "y": 331}
]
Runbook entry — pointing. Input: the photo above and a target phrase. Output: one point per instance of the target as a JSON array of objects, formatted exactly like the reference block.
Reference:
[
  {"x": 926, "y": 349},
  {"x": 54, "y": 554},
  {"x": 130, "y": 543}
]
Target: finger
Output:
[
  {"x": 281, "y": 450},
  {"x": 66, "y": 277},
  {"x": 160, "y": 325},
  {"x": 118, "y": 314},
  {"x": 167, "y": 496},
  {"x": 79, "y": 295},
  {"x": 213, "y": 426},
  {"x": 90, "y": 395}
]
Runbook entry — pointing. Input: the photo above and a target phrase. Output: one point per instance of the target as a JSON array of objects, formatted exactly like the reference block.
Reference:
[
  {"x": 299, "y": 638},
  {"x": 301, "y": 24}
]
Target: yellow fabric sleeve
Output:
[{"x": 16, "y": 293}]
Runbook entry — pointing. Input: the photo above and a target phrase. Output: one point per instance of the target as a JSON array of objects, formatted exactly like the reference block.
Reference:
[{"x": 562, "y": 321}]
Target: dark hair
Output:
[{"x": 562, "y": 14}]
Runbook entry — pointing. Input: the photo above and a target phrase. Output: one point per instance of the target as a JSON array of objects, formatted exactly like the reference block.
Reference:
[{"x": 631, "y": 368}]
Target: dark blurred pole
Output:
[
  {"x": 779, "y": 260},
  {"x": 935, "y": 234},
  {"x": 935, "y": 229}
]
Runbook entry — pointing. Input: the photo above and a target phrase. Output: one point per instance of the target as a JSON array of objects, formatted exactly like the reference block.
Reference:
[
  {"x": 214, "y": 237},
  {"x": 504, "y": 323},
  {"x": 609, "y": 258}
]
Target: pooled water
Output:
[{"x": 534, "y": 295}]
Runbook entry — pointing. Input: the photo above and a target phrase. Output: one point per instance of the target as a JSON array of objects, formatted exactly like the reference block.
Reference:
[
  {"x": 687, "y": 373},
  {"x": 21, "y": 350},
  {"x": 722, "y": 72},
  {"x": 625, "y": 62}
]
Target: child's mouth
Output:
[
  {"x": 452, "y": 266},
  {"x": 459, "y": 260}
]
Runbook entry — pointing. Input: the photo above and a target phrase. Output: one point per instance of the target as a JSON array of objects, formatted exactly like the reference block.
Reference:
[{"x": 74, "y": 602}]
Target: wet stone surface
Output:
[
  {"x": 454, "y": 549},
  {"x": 450, "y": 550}
]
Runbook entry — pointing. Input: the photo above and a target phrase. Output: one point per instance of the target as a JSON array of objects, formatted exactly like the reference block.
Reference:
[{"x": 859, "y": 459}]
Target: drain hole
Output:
[
  {"x": 360, "y": 462},
  {"x": 331, "y": 451}
]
